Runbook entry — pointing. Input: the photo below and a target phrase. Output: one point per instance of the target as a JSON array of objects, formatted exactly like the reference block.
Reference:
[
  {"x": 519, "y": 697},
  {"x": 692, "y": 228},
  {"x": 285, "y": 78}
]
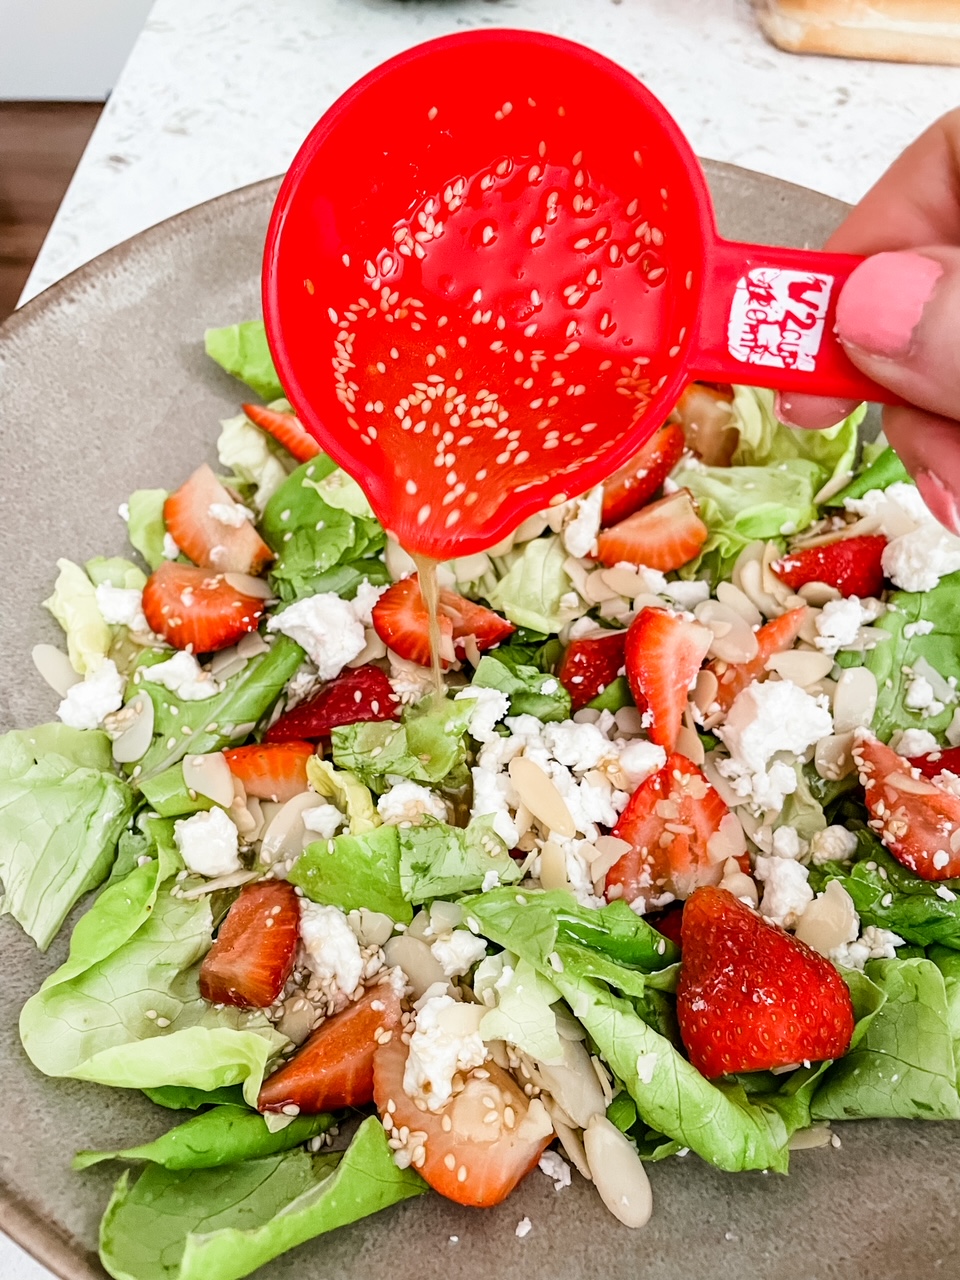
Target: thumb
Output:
[{"x": 898, "y": 316}]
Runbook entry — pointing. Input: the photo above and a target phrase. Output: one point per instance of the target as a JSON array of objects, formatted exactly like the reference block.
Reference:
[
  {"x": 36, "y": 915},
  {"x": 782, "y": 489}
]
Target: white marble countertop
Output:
[{"x": 219, "y": 93}]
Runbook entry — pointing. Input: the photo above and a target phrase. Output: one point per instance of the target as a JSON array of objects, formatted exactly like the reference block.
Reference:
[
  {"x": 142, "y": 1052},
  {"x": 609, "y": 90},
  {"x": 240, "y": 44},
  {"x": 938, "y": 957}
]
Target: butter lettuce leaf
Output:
[
  {"x": 347, "y": 792},
  {"x": 62, "y": 811},
  {"x": 764, "y": 440},
  {"x": 531, "y": 691},
  {"x": 535, "y": 590},
  {"x": 242, "y": 350},
  {"x": 440, "y": 861},
  {"x": 351, "y": 872},
  {"x": 146, "y": 526},
  {"x": 427, "y": 745},
  {"x": 883, "y": 471},
  {"x": 176, "y": 1098},
  {"x": 74, "y": 605},
  {"x": 221, "y": 1224},
  {"x": 117, "y": 571},
  {"x": 254, "y": 459}
]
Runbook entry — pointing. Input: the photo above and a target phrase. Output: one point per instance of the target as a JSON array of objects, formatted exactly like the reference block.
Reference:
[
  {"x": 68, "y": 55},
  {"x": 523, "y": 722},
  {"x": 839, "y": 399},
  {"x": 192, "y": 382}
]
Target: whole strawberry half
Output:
[
  {"x": 751, "y": 997},
  {"x": 853, "y": 565},
  {"x": 590, "y": 663},
  {"x": 363, "y": 693}
]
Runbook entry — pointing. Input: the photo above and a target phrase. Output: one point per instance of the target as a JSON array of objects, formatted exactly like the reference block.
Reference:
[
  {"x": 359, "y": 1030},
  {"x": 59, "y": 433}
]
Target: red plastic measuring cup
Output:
[{"x": 491, "y": 270}]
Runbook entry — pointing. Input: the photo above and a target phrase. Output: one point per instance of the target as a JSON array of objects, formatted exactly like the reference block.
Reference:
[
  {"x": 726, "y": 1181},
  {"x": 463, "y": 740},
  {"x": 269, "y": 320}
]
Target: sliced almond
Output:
[
  {"x": 522, "y": 820},
  {"x": 738, "y": 882},
  {"x": 553, "y": 867},
  {"x": 645, "y": 600},
  {"x": 855, "y": 700},
  {"x": 688, "y": 744},
  {"x": 802, "y": 667},
  {"x": 829, "y": 920},
  {"x": 573, "y": 1083},
  {"x": 751, "y": 584},
  {"x": 296, "y": 1021},
  {"x": 597, "y": 591},
  {"x": 772, "y": 584},
  {"x": 625, "y": 582},
  {"x": 629, "y": 721},
  {"x": 729, "y": 593},
  {"x": 586, "y": 715},
  {"x": 420, "y": 966},
  {"x": 733, "y": 639},
  {"x": 833, "y": 757},
  {"x": 248, "y": 585},
  {"x": 912, "y": 786},
  {"x": 54, "y": 666},
  {"x": 251, "y": 645},
  {"x": 573, "y": 1149},
  {"x": 719, "y": 783},
  {"x": 445, "y": 915},
  {"x": 833, "y": 486},
  {"x": 728, "y": 841},
  {"x": 705, "y": 691},
  {"x": 373, "y": 649},
  {"x": 229, "y": 881},
  {"x": 818, "y": 593},
  {"x": 541, "y": 797},
  {"x": 811, "y": 1139},
  {"x": 284, "y": 834},
  {"x": 578, "y": 573},
  {"x": 808, "y": 628},
  {"x": 210, "y": 776},
  {"x": 618, "y": 1172},
  {"x": 137, "y": 732}
]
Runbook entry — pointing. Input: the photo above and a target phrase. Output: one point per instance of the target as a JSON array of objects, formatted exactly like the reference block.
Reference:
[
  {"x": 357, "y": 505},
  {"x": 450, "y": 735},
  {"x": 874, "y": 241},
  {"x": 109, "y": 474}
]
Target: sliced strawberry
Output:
[
  {"x": 286, "y": 429},
  {"x": 917, "y": 819},
  {"x": 191, "y": 516},
  {"x": 590, "y": 663},
  {"x": 669, "y": 922},
  {"x": 198, "y": 610},
  {"x": 751, "y": 997},
  {"x": 401, "y": 621},
  {"x": 705, "y": 411},
  {"x": 271, "y": 770},
  {"x": 252, "y": 956},
  {"x": 853, "y": 565},
  {"x": 334, "y": 1068},
  {"x": 465, "y": 1157},
  {"x": 775, "y": 636},
  {"x": 364, "y": 693},
  {"x": 663, "y": 655},
  {"x": 639, "y": 479},
  {"x": 670, "y": 822},
  {"x": 937, "y": 762},
  {"x": 664, "y": 535}
]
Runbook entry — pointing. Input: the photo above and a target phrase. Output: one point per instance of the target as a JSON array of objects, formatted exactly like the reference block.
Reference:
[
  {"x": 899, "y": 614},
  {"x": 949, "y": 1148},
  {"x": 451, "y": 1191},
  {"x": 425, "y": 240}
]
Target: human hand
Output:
[{"x": 898, "y": 315}]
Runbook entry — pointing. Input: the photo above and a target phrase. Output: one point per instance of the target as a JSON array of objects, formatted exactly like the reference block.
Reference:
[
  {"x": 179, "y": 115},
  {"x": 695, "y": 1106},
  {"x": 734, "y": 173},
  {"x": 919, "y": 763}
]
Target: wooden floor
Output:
[{"x": 40, "y": 144}]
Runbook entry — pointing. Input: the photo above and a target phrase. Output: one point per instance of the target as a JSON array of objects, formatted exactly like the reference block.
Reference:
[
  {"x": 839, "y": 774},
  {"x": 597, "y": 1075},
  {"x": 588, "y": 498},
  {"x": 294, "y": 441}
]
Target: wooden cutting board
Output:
[{"x": 883, "y": 30}]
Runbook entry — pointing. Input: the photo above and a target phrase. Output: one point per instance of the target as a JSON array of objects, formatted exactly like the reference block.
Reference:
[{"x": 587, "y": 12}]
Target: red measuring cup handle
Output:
[{"x": 767, "y": 317}]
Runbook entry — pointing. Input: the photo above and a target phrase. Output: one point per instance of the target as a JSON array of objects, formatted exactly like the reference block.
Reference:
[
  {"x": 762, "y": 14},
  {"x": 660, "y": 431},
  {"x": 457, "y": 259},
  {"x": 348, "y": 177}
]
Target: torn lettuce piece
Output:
[
  {"x": 221, "y": 1224},
  {"x": 211, "y": 724},
  {"x": 253, "y": 457},
  {"x": 614, "y": 697},
  {"x": 534, "y": 590},
  {"x": 146, "y": 526},
  {"x": 426, "y": 746},
  {"x": 62, "y": 809},
  {"x": 223, "y": 1135},
  {"x": 170, "y": 797},
  {"x": 125, "y": 1008},
  {"x": 351, "y": 872},
  {"x": 519, "y": 1001},
  {"x": 345, "y": 790},
  {"x": 74, "y": 605},
  {"x": 176, "y": 1098},
  {"x": 116, "y": 571},
  {"x": 242, "y": 350},
  {"x": 440, "y": 861},
  {"x": 320, "y": 546},
  {"x": 880, "y": 473},
  {"x": 765, "y": 441},
  {"x": 903, "y": 1066},
  {"x": 531, "y": 691}
]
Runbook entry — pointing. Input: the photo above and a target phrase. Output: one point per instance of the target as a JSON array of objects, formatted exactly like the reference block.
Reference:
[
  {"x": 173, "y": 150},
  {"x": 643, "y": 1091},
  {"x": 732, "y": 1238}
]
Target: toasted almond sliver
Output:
[
  {"x": 719, "y": 782},
  {"x": 855, "y": 700},
  {"x": 689, "y": 744},
  {"x": 818, "y": 593},
  {"x": 523, "y": 820},
  {"x": 731, "y": 595},
  {"x": 375, "y": 648},
  {"x": 833, "y": 486},
  {"x": 773, "y": 585},
  {"x": 647, "y": 601},
  {"x": 136, "y": 737},
  {"x": 733, "y": 638},
  {"x": 625, "y": 582},
  {"x": 229, "y": 881},
  {"x": 629, "y": 720},
  {"x": 705, "y": 691},
  {"x": 833, "y": 757},
  {"x": 283, "y": 836},
  {"x": 541, "y": 797},
  {"x": 738, "y": 882},
  {"x": 573, "y": 1148},
  {"x": 609, "y": 846},
  {"x": 420, "y": 966},
  {"x": 811, "y": 1139},
  {"x": 578, "y": 573},
  {"x": 830, "y": 920},
  {"x": 803, "y": 667},
  {"x": 912, "y": 786},
  {"x": 227, "y": 663},
  {"x": 54, "y": 665},
  {"x": 618, "y": 1172},
  {"x": 248, "y": 585},
  {"x": 210, "y": 776},
  {"x": 597, "y": 591},
  {"x": 751, "y": 584},
  {"x": 728, "y": 841},
  {"x": 553, "y": 867},
  {"x": 251, "y": 645}
]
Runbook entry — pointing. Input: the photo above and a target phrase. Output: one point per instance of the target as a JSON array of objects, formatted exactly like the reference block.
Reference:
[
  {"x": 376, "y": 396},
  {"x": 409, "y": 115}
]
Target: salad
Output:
[{"x": 669, "y": 865}]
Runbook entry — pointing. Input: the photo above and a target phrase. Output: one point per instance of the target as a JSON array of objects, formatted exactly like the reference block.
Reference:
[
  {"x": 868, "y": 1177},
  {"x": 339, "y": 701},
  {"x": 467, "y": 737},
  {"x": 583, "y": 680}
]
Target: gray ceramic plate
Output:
[{"x": 105, "y": 387}]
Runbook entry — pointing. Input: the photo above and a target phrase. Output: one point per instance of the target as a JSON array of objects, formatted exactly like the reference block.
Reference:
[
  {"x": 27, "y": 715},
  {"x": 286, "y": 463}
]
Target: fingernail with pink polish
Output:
[
  {"x": 940, "y": 500},
  {"x": 881, "y": 304}
]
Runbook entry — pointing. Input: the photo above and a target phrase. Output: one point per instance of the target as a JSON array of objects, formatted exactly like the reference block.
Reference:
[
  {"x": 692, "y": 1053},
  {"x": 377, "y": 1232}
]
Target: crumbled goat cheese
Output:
[
  {"x": 838, "y": 624},
  {"x": 578, "y": 746},
  {"x": 362, "y": 603},
  {"x": 919, "y": 551},
  {"x": 874, "y": 944},
  {"x": 919, "y": 628},
  {"x": 121, "y": 606},
  {"x": 915, "y": 742},
  {"x": 524, "y": 1227},
  {"x": 489, "y": 707},
  {"x": 231, "y": 514},
  {"x": 832, "y": 844},
  {"x": 949, "y": 781},
  {"x": 445, "y": 1041},
  {"x": 409, "y": 802},
  {"x": 638, "y": 760},
  {"x": 491, "y": 880},
  {"x": 556, "y": 1168},
  {"x": 208, "y": 843},
  {"x": 919, "y": 696},
  {"x": 90, "y": 700},
  {"x": 646, "y": 1066},
  {"x": 330, "y": 945},
  {"x": 494, "y": 796},
  {"x": 786, "y": 893},
  {"x": 325, "y": 820},
  {"x": 458, "y": 951},
  {"x": 170, "y": 548},
  {"x": 326, "y": 628},
  {"x": 766, "y": 718},
  {"x": 786, "y": 843},
  {"x": 123, "y": 511},
  {"x": 183, "y": 676},
  {"x": 579, "y": 534}
]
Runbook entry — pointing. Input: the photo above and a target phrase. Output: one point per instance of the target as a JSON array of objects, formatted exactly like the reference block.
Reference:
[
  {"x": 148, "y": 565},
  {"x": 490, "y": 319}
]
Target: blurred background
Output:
[{"x": 59, "y": 60}]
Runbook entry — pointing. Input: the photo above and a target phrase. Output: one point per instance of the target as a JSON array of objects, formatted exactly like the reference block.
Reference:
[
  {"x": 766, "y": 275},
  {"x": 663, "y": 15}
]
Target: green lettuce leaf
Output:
[
  {"x": 886, "y": 469},
  {"x": 234, "y": 711},
  {"x": 347, "y": 792},
  {"x": 340, "y": 490},
  {"x": 74, "y": 605},
  {"x": 439, "y": 861},
  {"x": 254, "y": 459},
  {"x": 765, "y": 441},
  {"x": 146, "y": 526},
  {"x": 221, "y": 1224},
  {"x": 320, "y": 546},
  {"x": 62, "y": 810},
  {"x": 903, "y": 1066},
  {"x": 223, "y": 1135},
  {"x": 242, "y": 350},
  {"x": 351, "y": 872},
  {"x": 535, "y": 591},
  {"x": 176, "y": 1098},
  {"x": 614, "y": 697},
  {"x": 116, "y": 571},
  {"x": 522, "y": 1001},
  {"x": 170, "y": 797},
  {"x": 890, "y": 896},
  {"x": 892, "y": 660},
  {"x": 426, "y": 746},
  {"x": 531, "y": 691},
  {"x": 125, "y": 1008}
]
